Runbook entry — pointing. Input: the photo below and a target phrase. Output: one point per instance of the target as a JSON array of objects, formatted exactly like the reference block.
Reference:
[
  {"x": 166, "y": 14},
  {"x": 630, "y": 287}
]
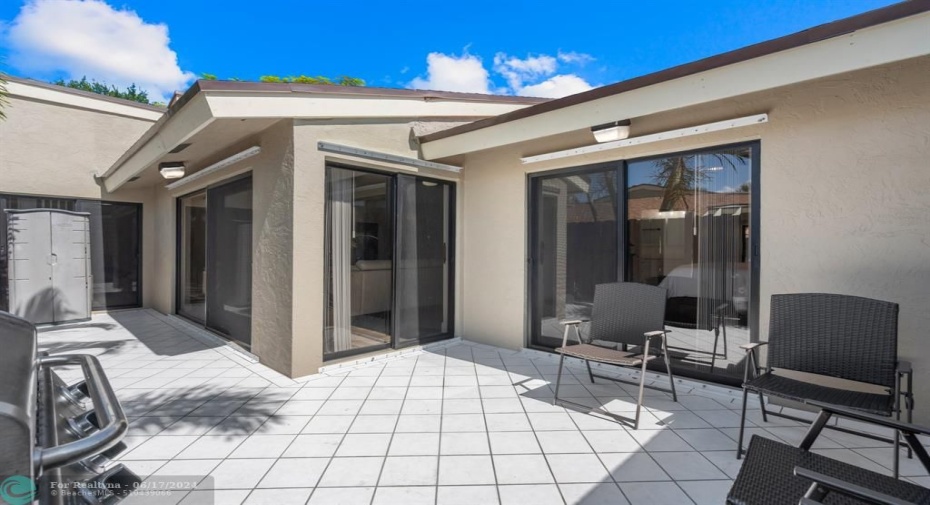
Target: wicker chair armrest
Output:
[
  {"x": 904, "y": 366},
  {"x": 752, "y": 346},
  {"x": 865, "y": 417},
  {"x": 573, "y": 321},
  {"x": 835, "y": 485}
]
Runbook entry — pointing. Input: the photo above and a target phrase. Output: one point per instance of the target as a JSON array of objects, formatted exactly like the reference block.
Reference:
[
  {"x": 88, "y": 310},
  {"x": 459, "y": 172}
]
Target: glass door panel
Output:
[
  {"x": 424, "y": 277},
  {"x": 573, "y": 248},
  {"x": 192, "y": 256},
  {"x": 359, "y": 270},
  {"x": 229, "y": 260},
  {"x": 689, "y": 219}
]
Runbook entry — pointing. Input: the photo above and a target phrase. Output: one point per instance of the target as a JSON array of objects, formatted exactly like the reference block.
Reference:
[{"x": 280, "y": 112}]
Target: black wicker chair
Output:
[
  {"x": 775, "y": 472},
  {"x": 625, "y": 319},
  {"x": 848, "y": 337}
]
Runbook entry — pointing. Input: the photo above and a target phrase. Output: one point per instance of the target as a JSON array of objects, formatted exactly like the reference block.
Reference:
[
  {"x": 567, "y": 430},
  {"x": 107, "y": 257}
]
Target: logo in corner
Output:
[{"x": 18, "y": 490}]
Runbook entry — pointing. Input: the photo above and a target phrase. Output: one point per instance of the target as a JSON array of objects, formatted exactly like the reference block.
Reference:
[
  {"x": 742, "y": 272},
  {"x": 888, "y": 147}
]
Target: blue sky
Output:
[{"x": 538, "y": 48}]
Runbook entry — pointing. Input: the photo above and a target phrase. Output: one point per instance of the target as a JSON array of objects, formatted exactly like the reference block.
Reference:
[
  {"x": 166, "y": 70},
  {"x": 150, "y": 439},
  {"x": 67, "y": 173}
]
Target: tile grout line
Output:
[{"x": 387, "y": 450}]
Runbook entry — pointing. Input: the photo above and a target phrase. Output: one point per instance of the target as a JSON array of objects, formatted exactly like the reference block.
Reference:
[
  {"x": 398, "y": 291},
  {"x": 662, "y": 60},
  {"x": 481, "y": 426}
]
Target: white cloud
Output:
[
  {"x": 573, "y": 57},
  {"x": 517, "y": 71},
  {"x": 91, "y": 38},
  {"x": 556, "y": 87},
  {"x": 531, "y": 76},
  {"x": 465, "y": 73}
]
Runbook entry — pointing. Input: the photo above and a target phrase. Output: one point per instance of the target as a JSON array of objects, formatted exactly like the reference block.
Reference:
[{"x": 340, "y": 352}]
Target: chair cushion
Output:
[
  {"x": 604, "y": 354},
  {"x": 791, "y": 389},
  {"x": 767, "y": 477}
]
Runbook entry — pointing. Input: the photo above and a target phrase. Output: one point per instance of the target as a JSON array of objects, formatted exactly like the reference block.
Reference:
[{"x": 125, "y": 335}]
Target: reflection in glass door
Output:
[
  {"x": 690, "y": 223},
  {"x": 574, "y": 247},
  {"x": 192, "y": 256},
  {"x": 423, "y": 277},
  {"x": 684, "y": 222}
]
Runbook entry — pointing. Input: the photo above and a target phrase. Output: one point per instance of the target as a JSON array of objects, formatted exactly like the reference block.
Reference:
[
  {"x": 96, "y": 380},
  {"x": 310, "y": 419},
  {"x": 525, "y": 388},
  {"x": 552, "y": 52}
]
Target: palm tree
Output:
[
  {"x": 679, "y": 175},
  {"x": 3, "y": 99}
]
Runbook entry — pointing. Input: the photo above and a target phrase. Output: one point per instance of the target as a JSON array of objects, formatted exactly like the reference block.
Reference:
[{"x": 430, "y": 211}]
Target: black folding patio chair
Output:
[
  {"x": 775, "y": 472},
  {"x": 625, "y": 319},
  {"x": 841, "y": 336}
]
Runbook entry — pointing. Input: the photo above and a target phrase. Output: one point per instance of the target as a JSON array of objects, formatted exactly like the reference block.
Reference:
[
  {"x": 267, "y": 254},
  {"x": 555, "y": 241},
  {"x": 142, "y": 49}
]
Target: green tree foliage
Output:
[
  {"x": 3, "y": 100},
  {"x": 343, "y": 80},
  {"x": 131, "y": 93}
]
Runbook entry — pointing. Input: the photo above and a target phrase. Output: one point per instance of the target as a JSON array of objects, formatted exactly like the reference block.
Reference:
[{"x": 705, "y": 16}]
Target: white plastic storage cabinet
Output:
[{"x": 49, "y": 265}]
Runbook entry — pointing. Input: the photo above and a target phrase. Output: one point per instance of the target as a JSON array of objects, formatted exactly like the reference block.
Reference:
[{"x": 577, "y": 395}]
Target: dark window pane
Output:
[
  {"x": 229, "y": 259},
  {"x": 115, "y": 252},
  {"x": 423, "y": 270}
]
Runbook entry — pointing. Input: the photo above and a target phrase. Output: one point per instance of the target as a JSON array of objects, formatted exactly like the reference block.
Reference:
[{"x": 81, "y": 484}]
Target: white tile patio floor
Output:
[{"x": 459, "y": 423}]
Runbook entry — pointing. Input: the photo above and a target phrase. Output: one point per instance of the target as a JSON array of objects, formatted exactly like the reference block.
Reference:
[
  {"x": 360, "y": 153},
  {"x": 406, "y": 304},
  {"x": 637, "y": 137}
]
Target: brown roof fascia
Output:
[
  {"x": 802, "y": 38},
  {"x": 280, "y": 87}
]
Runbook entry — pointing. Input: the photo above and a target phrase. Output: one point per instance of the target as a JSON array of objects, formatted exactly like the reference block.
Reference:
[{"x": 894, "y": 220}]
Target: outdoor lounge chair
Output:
[
  {"x": 626, "y": 318},
  {"x": 775, "y": 472},
  {"x": 848, "y": 337}
]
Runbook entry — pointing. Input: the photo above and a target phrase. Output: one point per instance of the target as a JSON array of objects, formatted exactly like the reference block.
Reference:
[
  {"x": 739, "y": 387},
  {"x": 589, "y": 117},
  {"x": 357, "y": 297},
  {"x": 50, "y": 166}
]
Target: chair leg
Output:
[
  {"x": 642, "y": 385},
  {"x": 558, "y": 380},
  {"x": 742, "y": 425},
  {"x": 897, "y": 434},
  {"x": 765, "y": 417},
  {"x": 590, "y": 374},
  {"x": 668, "y": 368},
  {"x": 713, "y": 357}
]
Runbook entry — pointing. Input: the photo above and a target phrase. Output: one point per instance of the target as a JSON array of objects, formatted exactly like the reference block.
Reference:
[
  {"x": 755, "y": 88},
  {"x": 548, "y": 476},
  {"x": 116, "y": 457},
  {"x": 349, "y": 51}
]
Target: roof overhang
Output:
[
  {"x": 209, "y": 102},
  {"x": 60, "y": 95},
  {"x": 903, "y": 37}
]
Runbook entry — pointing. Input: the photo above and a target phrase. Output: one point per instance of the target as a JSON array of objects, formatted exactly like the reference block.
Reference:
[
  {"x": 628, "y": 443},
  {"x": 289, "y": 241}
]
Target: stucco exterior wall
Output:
[
  {"x": 309, "y": 230},
  {"x": 55, "y": 150},
  {"x": 845, "y": 200},
  {"x": 272, "y": 219}
]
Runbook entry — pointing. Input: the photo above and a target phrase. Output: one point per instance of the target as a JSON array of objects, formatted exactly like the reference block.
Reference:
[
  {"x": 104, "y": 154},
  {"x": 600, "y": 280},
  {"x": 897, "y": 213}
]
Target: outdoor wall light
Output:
[
  {"x": 609, "y": 132},
  {"x": 171, "y": 169}
]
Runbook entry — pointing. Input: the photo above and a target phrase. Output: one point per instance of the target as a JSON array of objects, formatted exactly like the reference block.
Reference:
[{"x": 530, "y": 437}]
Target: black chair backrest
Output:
[
  {"x": 849, "y": 337},
  {"x": 624, "y": 311}
]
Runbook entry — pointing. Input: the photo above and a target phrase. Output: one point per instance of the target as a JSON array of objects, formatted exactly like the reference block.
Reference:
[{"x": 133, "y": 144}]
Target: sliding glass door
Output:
[
  {"x": 687, "y": 222},
  {"x": 229, "y": 260},
  {"x": 192, "y": 257},
  {"x": 574, "y": 241},
  {"x": 116, "y": 247},
  {"x": 214, "y": 285},
  {"x": 359, "y": 254},
  {"x": 423, "y": 277},
  {"x": 690, "y": 224},
  {"x": 388, "y": 266}
]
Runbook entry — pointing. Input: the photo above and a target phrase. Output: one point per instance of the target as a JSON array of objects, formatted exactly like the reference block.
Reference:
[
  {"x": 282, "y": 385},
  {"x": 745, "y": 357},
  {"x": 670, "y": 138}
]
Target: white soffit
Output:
[
  {"x": 187, "y": 122},
  {"x": 306, "y": 105},
  {"x": 877, "y": 45},
  {"x": 654, "y": 137},
  {"x": 44, "y": 94}
]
